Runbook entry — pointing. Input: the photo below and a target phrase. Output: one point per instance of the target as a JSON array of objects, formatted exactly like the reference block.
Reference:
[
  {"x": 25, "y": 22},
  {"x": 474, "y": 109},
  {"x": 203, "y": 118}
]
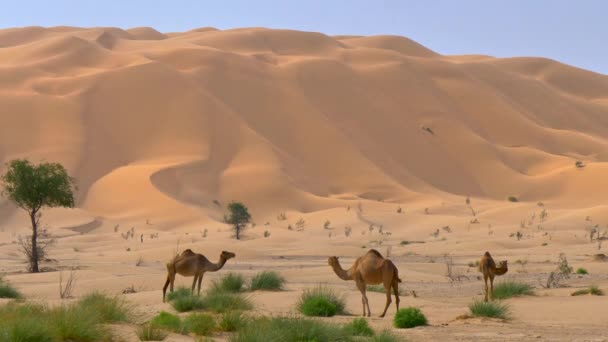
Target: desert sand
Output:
[{"x": 162, "y": 130}]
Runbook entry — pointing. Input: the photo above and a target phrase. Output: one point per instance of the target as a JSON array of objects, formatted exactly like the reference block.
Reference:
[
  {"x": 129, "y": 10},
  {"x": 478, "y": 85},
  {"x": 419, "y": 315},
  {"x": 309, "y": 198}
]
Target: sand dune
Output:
[{"x": 162, "y": 130}]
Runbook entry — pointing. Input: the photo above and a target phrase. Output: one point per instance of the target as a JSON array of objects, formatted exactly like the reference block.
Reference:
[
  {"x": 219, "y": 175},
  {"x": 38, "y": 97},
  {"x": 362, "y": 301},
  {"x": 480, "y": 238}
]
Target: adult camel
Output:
[
  {"x": 190, "y": 264},
  {"x": 372, "y": 268},
  {"x": 488, "y": 267}
]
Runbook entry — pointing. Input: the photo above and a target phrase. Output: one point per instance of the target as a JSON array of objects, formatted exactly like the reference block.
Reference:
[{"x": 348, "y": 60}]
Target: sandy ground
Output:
[{"x": 162, "y": 130}]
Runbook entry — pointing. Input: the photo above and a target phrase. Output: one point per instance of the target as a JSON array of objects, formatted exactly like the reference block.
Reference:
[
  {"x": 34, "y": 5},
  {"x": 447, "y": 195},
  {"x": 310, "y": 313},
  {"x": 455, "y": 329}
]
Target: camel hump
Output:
[
  {"x": 187, "y": 251},
  {"x": 487, "y": 254},
  {"x": 373, "y": 251}
]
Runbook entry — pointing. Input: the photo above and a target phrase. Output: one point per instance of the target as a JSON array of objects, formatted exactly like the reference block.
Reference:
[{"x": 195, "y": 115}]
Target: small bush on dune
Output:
[
  {"x": 231, "y": 282},
  {"x": 267, "y": 280},
  {"x": 581, "y": 271},
  {"x": 508, "y": 289},
  {"x": 168, "y": 321},
  {"x": 178, "y": 293},
  {"x": 359, "y": 327},
  {"x": 489, "y": 309},
  {"x": 149, "y": 332},
  {"x": 200, "y": 324},
  {"x": 220, "y": 301},
  {"x": 321, "y": 301},
  {"x": 24, "y": 323},
  {"x": 409, "y": 318},
  {"x": 290, "y": 329},
  {"x": 189, "y": 302},
  {"x": 76, "y": 323},
  {"x": 591, "y": 290},
  {"x": 386, "y": 336},
  {"x": 232, "y": 321},
  {"x": 109, "y": 309},
  {"x": 7, "y": 291}
]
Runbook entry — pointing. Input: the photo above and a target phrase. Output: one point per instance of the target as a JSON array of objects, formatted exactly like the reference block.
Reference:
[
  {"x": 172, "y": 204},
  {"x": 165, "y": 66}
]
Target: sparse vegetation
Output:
[
  {"x": 409, "y": 318},
  {"x": 8, "y": 291},
  {"x": 221, "y": 301},
  {"x": 579, "y": 164},
  {"x": 232, "y": 321},
  {"x": 109, "y": 309},
  {"x": 581, "y": 270},
  {"x": 591, "y": 290},
  {"x": 512, "y": 199},
  {"x": 65, "y": 290},
  {"x": 386, "y": 336},
  {"x": 404, "y": 242},
  {"x": 489, "y": 309},
  {"x": 168, "y": 321},
  {"x": 359, "y": 327},
  {"x": 199, "y": 324},
  {"x": 230, "y": 282},
  {"x": 267, "y": 280},
  {"x": 280, "y": 329},
  {"x": 321, "y": 301},
  {"x": 508, "y": 289},
  {"x": 148, "y": 332},
  {"x": 326, "y": 224},
  {"x": 182, "y": 300}
]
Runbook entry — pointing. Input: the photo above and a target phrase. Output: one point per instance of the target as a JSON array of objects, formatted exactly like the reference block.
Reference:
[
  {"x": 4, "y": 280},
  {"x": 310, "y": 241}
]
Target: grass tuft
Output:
[
  {"x": 409, "y": 318},
  {"x": 168, "y": 321},
  {"x": 267, "y": 280},
  {"x": 220, "y": 301},
  {"x": 178, "y": 293},
  {"x": 8, "y": 291},
  {"x": 231, "y": 282},
  {"x": 321, "y": 301},
  {"x": 200, "y": 324},
  {"x": 581, "y": 271},
  {"x": 282, "y": 329},
  {"x": 149, "y": 332},
  {"x": 591, "y": 290},
  {"x": 386, "y": 336},
  {"x": 109, "y": 309},
  {"x": 489, "y": 309},
  {"x": 232, "y": 321},
  {"x": 359, "y": 327},
  {"x": 508, "y": 289}
]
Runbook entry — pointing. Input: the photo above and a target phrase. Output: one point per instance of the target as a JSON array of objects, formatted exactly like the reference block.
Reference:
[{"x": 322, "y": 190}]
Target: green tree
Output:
[
  {"x": 239, "y": 217},
  {"x": 33, "y": 187}
]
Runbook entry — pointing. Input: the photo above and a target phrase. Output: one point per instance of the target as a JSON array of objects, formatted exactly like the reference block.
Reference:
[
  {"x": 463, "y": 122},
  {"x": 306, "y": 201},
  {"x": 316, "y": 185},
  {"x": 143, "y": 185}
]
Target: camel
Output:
[
  {"x": 371, "y": 269},
  {"x": 190, "y": 264},
  {"x": 487, "y": 266}
]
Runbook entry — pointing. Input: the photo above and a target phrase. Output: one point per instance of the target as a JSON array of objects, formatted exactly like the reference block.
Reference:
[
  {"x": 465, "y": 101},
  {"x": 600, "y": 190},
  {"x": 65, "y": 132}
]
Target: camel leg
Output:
[
  {"x": 200, "y": 280},
  {"x": 172, "y": 282},
  {"x": 491, "y": 287},
  {"x": 485, "y": 280},
  {"x": 396, "y": 290},
  {"x": 194, "y": 282},
  {"x": 387, "y": 287},
  {"x": 166, "y": 285},
  {"x": 361, "y": 286}
]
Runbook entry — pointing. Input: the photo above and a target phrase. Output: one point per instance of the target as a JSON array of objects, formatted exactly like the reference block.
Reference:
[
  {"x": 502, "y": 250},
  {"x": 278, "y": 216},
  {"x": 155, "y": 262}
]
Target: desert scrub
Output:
[
  {"x": 508, "y": 289},
  {"x": 232, "y": 321},
  {"x": 109, "y": 309},
  {"x": 267, "y": 280},
  {"x": 581, "y": 270},
  {"x": 199, "y": 324},
  {"x": 512, "y": 199},
  {"x": 231, "y": 282},
  {"x": 8, "y": 291},
  {"x": 221, "y": 301},
  {"x": 188, "y": 303},
  {"x": 591, "y": 290},
  {"x": 168, "y": 321},
  {"x": 489, "y": 309},
  {"x": 280, "y": 329},
  {"x": 320, "y": 301},
  {"x": 359, "y": 327},
  {"x": 149, "y": 332},
  {"x": 409, "y": 318},
  {"x": 386, "y": 336}
]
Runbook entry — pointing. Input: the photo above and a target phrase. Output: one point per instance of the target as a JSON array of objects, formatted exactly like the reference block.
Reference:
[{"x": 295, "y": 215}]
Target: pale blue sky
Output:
[{"x": 574, "y": 32}]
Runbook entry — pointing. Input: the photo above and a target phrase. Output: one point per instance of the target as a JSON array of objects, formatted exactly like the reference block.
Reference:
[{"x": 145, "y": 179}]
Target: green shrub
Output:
[
  {"x": 76, "y": 323},
  {"x": 109, "y": 309},
  {"x": 404, "y": 242},
  {"x": 200, "y": 324},
  {"x": 179, "y": 293},
  {"x": 512, "y": 199},
  {"x": 232, "y": 321},
  {"x": 290, "y": 329},
  {"x": 267, "y": 280},
  {"x": 220, "y": 301},
  {"x": 578, "y": 271},
  {"x": 386, "y": 336},
  {"x": 489, "y": 309},
  {"x": 592, "y": 290},
  {"x": 7, "y": 291},
  {"x": 321, "y": 301},
  {"x": 188, "y": 303},
  {"x": 359, "y": 327},
  {"x": 169, "y": 322},
  {"x": 149, "y": 332},
  {"x": 231, "y": 282},
  {"x": 508, "y": 289},
  {"x": 409, "y": 318}
]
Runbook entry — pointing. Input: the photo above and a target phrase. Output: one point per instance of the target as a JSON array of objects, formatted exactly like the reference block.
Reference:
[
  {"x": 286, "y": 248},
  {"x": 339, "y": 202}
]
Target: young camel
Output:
[
  {"x": 371, "y": 269},
  {"x": 487, "y": 266},
  {"x": 190, "y": 264}
]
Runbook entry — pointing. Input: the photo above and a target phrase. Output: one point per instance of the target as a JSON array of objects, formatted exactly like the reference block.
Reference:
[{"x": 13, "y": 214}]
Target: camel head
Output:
[
  {"x": 502, "y": 267},
  {"x": 333, "y": 261},
  {"x": 227, "y": 255}
]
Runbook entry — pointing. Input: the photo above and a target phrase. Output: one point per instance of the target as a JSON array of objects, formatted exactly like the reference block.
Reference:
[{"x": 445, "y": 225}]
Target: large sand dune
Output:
[{"x": 161, "y": 130}]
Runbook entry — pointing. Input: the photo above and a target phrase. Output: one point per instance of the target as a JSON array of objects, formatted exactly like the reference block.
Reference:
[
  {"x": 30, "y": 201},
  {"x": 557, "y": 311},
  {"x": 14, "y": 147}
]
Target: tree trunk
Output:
[
  {"x": 238, "y": 231},
  {"x": 34, "y": 258}
]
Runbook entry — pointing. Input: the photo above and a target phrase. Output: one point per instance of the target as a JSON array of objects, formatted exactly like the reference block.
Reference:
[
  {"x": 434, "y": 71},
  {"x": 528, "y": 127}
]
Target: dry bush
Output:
[
  {"x": 43, "y": 243},
  {"x": 561, "y": 273},
  {"x": 281, "y": 217},
  {"x": 66, "y": 289},
  {"x": 300, "y": 224},
  {"x": 326, "y": 224},
  {"x": 140, "y": 261},
  {"x": 452, "y": 272},
  {"x": 266, "y": 234},
  {"x": 347, "y": 231}
]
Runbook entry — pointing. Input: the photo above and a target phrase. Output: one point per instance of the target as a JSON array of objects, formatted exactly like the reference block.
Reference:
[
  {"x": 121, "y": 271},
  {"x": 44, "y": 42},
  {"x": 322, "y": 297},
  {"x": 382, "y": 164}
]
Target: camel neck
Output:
[
  {"x": 341, "y": 273},
  {"x": 218, "y": 265}
]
